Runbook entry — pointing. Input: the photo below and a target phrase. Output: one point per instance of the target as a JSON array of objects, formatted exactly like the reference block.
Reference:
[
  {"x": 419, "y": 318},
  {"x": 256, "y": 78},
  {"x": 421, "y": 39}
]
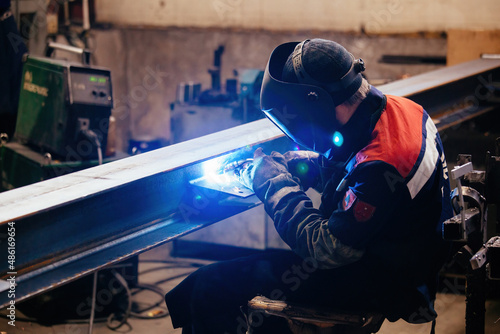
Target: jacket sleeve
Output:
[
  {"x": 302, "y": 226},
  {"x": 331, "y": 241}
]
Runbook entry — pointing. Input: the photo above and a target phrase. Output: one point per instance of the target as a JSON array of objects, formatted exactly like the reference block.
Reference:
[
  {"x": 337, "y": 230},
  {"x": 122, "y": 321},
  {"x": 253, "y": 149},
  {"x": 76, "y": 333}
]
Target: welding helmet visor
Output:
[{"x": 304, "y": 112}]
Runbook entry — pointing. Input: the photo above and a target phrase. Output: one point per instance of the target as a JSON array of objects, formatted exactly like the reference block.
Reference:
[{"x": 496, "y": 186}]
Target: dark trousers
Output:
[{"x": 210, "y": 299}]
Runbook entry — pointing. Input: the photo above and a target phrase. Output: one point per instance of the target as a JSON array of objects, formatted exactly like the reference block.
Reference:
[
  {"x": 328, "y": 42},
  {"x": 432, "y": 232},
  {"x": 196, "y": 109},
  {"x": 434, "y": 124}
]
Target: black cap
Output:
[{"x": 326, "y": 64}]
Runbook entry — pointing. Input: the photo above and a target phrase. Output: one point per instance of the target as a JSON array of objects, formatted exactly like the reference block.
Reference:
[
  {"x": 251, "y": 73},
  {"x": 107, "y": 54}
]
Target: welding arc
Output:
[{"x": 238, "y": 167}]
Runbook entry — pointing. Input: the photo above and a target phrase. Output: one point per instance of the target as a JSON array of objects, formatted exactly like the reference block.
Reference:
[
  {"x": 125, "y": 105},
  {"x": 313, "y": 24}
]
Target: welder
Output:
[{"x": 374, "y": 244}]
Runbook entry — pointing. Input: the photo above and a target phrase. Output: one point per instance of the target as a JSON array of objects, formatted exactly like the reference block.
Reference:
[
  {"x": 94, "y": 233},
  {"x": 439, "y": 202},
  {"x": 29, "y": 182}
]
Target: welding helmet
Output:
[{"x": 302, "y": 85}]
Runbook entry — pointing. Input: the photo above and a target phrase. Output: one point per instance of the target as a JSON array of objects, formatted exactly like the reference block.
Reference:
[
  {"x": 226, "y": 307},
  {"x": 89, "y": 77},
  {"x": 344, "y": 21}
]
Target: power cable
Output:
[{"x": 115, "y": 321}]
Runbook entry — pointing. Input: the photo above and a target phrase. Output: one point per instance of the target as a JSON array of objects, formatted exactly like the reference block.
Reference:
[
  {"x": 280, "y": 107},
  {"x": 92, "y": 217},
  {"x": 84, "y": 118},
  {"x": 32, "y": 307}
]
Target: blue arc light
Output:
[
  {"x": 302, "y": 168},
  {"x": 338, "y": 139}
]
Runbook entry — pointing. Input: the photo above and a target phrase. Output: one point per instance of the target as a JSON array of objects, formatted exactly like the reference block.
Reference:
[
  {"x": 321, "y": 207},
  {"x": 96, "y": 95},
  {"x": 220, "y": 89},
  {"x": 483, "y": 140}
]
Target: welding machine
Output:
[{"x": 64, "y": 108}]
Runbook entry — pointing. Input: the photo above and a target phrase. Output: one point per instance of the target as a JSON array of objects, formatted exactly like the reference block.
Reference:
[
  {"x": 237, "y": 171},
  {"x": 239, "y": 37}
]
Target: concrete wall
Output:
[
  {"x": 148, "y": 64},
  {"x": 371, "y": 16}
]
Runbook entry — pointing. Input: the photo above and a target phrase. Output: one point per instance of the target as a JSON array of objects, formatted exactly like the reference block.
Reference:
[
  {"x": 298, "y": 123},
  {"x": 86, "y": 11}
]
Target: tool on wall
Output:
[{"x": 197, "y": 112}]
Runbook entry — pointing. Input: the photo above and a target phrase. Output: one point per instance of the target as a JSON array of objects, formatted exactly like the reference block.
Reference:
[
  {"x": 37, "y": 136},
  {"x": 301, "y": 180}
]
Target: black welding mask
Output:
[{"x": 304, "y": 108}]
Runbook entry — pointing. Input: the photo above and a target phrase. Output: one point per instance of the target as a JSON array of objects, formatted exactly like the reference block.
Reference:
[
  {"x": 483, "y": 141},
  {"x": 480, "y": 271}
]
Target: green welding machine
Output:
[{"x": 64, "y": 108}]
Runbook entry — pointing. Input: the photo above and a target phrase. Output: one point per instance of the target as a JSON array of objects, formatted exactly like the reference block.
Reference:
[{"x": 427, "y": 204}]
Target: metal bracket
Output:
[{"x": 456, "y": 173}]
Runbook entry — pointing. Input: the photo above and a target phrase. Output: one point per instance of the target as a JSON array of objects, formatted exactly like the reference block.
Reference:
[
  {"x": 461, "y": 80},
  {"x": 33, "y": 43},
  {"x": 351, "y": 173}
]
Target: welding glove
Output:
[
  {"x": 304, "y": 165},
  {"x": 263, "y": 168}
]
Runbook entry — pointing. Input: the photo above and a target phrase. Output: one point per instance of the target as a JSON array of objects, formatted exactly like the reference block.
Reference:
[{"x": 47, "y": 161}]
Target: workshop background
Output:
[
  {"x": 174, "y": 41},
  {"x": 182, "y": 68}
]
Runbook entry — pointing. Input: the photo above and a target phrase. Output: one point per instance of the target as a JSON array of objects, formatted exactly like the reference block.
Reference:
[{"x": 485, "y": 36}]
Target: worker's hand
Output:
[
  {"x": 263, "y": 168},
  {"x": 304, "y": 165}
]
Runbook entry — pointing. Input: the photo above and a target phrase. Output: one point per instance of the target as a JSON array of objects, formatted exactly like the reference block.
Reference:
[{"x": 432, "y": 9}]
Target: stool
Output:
[{"x": 305, "y": 319}]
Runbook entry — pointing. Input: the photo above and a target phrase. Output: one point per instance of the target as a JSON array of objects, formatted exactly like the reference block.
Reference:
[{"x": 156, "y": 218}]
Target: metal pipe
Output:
[
  {"x": 86, "y": 19},
  {"x": 18, "y": 16},
  {"x": 92, "y": 309}
]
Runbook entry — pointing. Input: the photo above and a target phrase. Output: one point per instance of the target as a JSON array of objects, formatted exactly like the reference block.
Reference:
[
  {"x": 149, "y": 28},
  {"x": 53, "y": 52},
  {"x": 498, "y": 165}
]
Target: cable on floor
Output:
[{"x": 115, "y": 320}]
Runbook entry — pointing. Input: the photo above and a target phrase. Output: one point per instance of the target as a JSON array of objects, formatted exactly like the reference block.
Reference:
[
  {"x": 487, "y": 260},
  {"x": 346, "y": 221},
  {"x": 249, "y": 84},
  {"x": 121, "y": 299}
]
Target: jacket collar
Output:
[{"x": 357, "y": 131}]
